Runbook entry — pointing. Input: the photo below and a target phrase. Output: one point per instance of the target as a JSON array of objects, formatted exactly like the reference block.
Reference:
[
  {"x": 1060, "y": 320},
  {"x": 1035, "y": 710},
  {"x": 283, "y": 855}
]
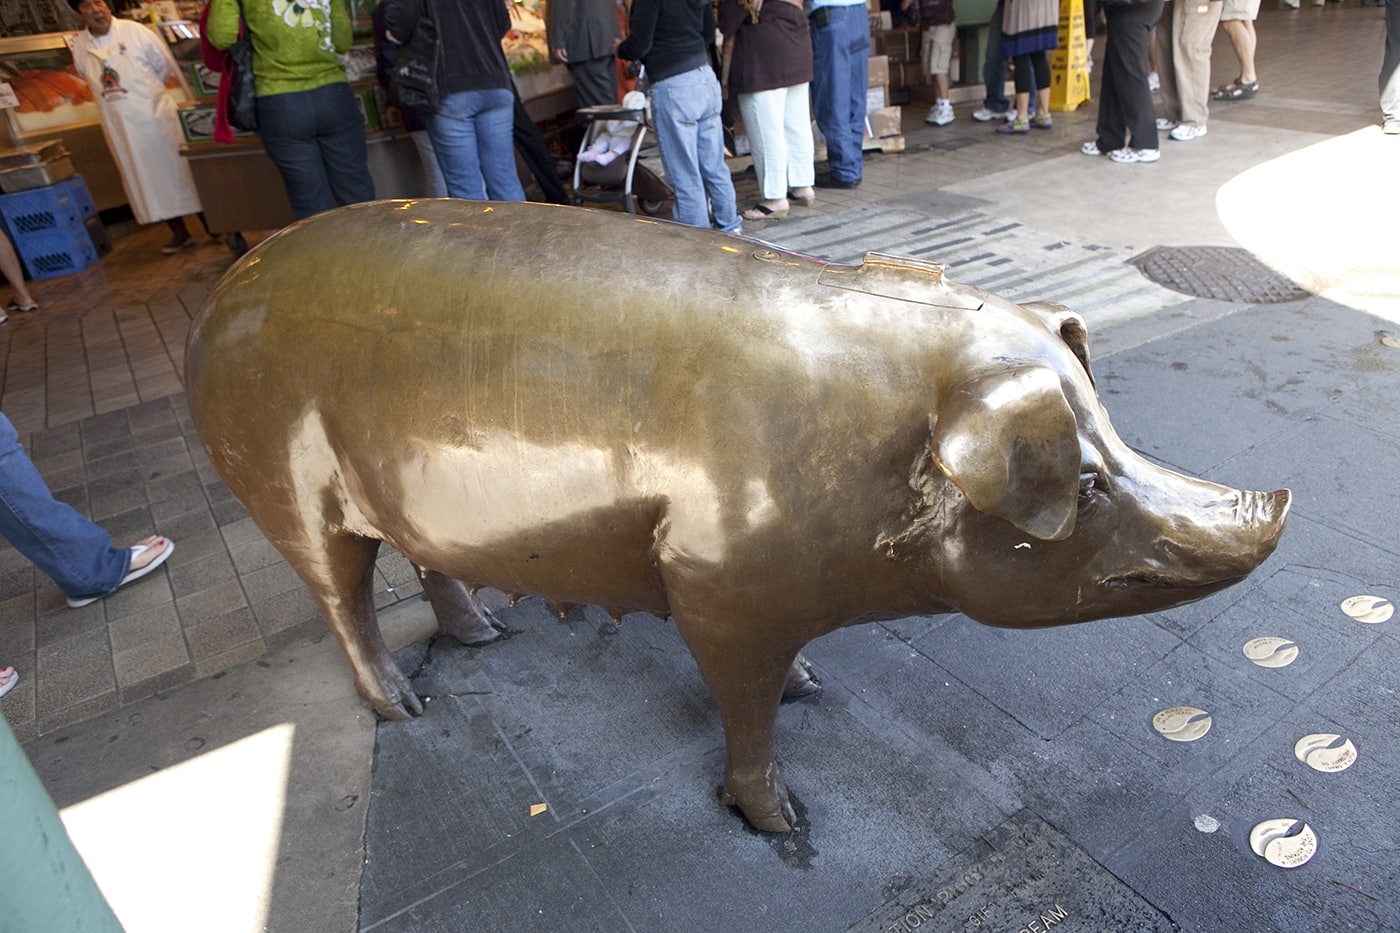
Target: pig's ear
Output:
[
  {"x": 1070, "y": 327},
  {"x": 1009, "y": 441}
]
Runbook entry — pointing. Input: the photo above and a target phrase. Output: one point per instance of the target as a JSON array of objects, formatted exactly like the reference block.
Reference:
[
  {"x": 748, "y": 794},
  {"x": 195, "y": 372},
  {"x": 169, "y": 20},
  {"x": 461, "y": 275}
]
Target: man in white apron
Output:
[{"x": 127, "y": 67}]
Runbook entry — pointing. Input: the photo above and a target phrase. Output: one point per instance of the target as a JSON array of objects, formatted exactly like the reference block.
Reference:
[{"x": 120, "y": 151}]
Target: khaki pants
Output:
[{"x": 1185, "y": 34}]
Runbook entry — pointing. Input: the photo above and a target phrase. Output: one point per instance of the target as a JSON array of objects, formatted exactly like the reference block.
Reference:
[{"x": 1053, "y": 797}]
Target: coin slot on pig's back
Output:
[{"x": 905, "y": 279}]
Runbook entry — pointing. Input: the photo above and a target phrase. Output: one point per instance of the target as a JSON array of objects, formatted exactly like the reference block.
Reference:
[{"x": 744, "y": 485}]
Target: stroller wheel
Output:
[{"x": 651, "y": 208}]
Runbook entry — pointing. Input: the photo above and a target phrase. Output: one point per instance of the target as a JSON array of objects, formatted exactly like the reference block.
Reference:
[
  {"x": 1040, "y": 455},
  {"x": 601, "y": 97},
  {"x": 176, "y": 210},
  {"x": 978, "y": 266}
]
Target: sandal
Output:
[
  {"x": 1042, "y": 122},
  {"x": 761, "y": 211},
  {"x": 11, "y": 678},
  {"x": 133, "y": 573},
  {"x": 14, "y": 307},
  {"x": 1015, "y": 126},
  {"x": 1238, "y": 89},
  {"x": 805, "y": 197}
]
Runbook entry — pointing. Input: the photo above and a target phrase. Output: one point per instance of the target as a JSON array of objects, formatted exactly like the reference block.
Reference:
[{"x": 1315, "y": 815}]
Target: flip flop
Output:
[
  {"x": 8, "y": 685},
  {"x": 14, "y": 307},
  {"x": 764, "y": 212},
  {"x": 133, "y": 575}
]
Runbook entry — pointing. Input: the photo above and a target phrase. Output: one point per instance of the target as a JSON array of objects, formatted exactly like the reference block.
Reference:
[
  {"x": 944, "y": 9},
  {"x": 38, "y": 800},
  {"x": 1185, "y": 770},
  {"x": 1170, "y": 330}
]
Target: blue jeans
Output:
[
  {"x": 316, "y": 139},
  {"x": 839, "y": 53},
  {"x": 685, "y": 108},
  {"x": 472, "y": 133},
  {"x": 72, "y": 551},
  {"x": 994, "y": 68}
]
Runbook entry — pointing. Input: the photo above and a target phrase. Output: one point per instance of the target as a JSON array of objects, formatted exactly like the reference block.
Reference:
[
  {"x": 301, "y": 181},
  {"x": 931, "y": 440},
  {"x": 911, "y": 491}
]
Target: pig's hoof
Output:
[
  {"x": 473, "y": 632},
  {"x": 800, "y": 681},
  {"x": 392, "y": 696},
  {"x": 400, "y": 712},
  {"x": 765, "y": 805}
]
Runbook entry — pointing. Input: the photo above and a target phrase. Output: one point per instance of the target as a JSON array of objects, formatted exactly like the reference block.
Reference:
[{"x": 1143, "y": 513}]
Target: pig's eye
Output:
[{"x": 1089, "y": 483}]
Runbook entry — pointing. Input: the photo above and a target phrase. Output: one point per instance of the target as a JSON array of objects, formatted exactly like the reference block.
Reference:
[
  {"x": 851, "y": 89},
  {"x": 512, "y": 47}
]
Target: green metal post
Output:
[{"x": 44, "y": 885}]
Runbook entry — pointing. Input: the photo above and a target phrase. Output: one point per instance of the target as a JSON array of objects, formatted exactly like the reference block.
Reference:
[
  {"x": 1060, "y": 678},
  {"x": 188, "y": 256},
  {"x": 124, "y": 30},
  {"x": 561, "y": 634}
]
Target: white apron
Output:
[{"x": 125, "y": 70}]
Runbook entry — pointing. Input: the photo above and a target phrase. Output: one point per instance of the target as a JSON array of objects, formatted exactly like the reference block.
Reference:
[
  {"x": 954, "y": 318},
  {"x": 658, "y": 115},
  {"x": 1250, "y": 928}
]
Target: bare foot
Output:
[{"x": 151, "y": 550}]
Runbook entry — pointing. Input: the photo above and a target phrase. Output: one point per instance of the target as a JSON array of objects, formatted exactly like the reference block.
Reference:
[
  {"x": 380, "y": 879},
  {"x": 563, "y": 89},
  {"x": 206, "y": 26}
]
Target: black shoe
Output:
[{"x": 831, "y": 181}]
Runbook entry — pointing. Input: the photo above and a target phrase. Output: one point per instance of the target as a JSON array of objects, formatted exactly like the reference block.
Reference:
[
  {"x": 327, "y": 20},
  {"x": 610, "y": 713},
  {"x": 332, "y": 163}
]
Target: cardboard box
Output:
[
  {"x": 884, "y": 122},
  {"x": 877, "y": 71},
  {"x": 876, "y": 98},
  {"x": 900, "y": 45}
]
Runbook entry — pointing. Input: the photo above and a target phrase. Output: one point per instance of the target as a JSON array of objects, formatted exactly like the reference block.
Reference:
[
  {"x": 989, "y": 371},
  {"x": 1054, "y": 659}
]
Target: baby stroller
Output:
[{"x": 607, "y": 171}]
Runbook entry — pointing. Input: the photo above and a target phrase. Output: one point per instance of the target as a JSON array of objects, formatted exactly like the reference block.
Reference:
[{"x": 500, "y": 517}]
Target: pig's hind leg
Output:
[{"x": 459, "y": 612}]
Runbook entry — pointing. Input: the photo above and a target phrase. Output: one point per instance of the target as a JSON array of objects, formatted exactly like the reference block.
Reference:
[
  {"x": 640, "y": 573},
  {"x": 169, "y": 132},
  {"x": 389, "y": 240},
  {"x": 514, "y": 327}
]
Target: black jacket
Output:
[{"x": 670, "y": 37}]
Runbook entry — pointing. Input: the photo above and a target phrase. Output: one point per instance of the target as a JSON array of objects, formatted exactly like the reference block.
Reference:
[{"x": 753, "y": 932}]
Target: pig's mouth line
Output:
[{"x": 1154, "y": 578}]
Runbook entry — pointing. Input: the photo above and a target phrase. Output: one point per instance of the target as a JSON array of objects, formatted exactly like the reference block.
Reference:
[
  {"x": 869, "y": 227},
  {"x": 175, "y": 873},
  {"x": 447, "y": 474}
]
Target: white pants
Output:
[{"x": 779, "y": 123}]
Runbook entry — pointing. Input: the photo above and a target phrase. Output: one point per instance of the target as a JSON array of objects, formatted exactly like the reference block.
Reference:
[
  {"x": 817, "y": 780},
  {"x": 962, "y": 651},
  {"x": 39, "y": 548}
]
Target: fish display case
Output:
[{"x": 55, "y": 105}]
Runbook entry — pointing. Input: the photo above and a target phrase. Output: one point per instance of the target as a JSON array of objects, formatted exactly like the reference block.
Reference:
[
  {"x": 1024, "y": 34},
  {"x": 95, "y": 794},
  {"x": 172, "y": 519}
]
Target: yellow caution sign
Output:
[{"x": 1069, "y": 63}]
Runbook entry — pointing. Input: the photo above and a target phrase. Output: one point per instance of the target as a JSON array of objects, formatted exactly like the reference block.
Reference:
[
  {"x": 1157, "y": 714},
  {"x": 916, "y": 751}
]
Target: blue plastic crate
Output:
[
  {"x": 56, "y": 252},
  {"x": 50, "y": 208},
  {"x": 81, "y": 198}
]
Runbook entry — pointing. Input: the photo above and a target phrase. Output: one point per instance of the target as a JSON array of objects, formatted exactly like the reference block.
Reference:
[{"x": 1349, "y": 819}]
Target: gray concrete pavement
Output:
[{"x": 231, "y": 780}]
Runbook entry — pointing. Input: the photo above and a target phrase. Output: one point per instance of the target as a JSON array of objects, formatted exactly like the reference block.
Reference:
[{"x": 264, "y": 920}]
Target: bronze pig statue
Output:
[{"x": 599, "y": 408}]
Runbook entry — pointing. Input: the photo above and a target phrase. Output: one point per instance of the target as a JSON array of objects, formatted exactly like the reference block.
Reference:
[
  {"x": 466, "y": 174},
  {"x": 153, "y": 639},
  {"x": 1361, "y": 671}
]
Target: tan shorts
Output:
[
  {"x": 937, "y": 52},
  {"x": 1239, "y": 9}
]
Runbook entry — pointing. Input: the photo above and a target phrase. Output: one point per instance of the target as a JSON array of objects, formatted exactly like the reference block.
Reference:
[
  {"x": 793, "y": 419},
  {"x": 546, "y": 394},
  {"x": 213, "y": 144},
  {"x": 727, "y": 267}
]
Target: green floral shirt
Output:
[{"x": 295, "y": 42}]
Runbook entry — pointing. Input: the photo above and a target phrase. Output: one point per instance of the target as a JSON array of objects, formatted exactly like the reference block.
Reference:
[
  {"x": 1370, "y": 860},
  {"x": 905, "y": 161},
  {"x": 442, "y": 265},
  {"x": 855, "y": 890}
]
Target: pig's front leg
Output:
[
  {"x": 747, "y": 677},
  {"x": 339, "y": 571},
  {"x": 459, "y": 613}
]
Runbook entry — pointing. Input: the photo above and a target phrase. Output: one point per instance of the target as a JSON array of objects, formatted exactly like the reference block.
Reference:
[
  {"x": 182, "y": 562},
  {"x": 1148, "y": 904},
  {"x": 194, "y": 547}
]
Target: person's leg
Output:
[
  {"x": 709, "y": 142},
  {"x": 453, "y": 131},
  {"x": 676, "y": 113},
  {"x": 1389, "y": 81},
  {"x": 495, "y": 143},
  {"x": 529, "y": 142},
  {"x": 341, "y": 137},
  {"x": 1167, "y": 26},
  {"x": 1111, "y": 128},
  {"x": 179, "y": 235},
  {"x": 1040, "y": 72},
  {"x": 436, "y": 185},
  {"x": 856, "y": 25},
  {"x": 1191, "y": 48},
  {"x": 595, "y": 81},
  {"x": 994, "y": 68},
  {"x": 286, "y": 126},
  {"x": 72, "y": 551},
  {"x": 1135, "y": 98},
  {"x": 838, "y": 87},
  {"x": 763, "y": 118},
  {"x": 797, "y": 127},
  {"x": 10, "y": 268}
]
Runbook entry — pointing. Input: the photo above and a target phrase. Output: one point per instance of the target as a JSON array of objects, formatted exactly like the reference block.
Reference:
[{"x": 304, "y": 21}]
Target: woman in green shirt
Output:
[{"x": 308, "y": 119}]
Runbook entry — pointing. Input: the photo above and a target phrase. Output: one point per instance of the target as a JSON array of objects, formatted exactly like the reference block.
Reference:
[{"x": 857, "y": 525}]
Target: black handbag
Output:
[
  {"x": 238, "y": 72},
  {"x": 413, "y": 85}
]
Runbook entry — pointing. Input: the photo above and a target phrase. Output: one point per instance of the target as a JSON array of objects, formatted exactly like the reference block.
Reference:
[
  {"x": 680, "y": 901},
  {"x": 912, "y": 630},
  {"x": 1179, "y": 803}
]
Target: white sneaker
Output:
[
  {"x": 1127, "y": 154},
  {"x": 1154, "y": 82},
  {"x": 983, "y": 115},
  {"x": 1163, "y": 124},
  {"x": 1188, "y": 131},
  {"x": 941, "y": 114},
  {"x": 1091, "y": 148}
]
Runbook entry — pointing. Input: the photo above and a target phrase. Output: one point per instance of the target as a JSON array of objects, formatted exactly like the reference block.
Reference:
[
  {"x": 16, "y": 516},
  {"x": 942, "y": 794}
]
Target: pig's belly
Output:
[{"x": 569, "y": 522}]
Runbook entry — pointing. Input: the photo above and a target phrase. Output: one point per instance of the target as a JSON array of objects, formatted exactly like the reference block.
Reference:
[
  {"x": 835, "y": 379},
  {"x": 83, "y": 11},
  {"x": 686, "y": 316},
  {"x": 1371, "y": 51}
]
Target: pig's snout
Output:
[
  {"x": 1265, "y": 510},
  {"x": 1217, "y": 543}
]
